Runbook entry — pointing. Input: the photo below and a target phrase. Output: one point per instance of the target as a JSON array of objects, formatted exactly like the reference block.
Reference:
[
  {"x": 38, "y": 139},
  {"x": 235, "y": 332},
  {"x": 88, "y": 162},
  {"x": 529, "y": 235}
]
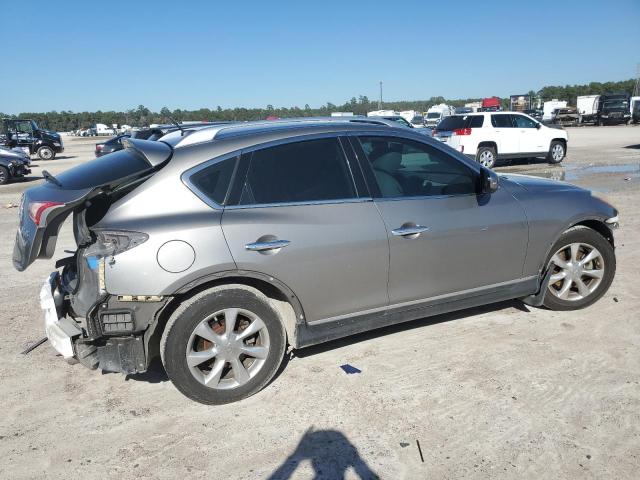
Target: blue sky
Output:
[{"x": 112, "y": 55}]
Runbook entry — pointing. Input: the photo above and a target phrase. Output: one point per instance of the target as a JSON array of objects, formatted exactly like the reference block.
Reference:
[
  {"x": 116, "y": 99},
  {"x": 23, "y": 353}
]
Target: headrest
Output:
[{"x": 388, "y": 162}]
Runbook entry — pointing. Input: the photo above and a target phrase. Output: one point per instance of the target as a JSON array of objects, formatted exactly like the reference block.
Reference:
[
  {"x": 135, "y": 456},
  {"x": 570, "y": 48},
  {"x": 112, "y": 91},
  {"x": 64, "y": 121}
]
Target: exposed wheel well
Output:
[
  {"x": 488, "y": 144},
  {"x": 599, "y": 227},
  {"x": 561, "y": 140},
  {"x": 279, "y": 300}
]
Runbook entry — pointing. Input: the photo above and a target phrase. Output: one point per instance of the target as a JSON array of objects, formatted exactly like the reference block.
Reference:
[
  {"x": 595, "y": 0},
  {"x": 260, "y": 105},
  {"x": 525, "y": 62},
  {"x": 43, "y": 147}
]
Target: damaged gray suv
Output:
[{"x": 216, "y": 249}]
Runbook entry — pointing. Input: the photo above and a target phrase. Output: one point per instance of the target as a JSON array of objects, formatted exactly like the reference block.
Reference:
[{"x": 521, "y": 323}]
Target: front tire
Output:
[
  {"x": 583, "y": 264},
  {"x": 557, "y": 152},
  {"x": 486, "y": 156},
  {"x": 223, "y": 344},
  {"x": 46, "y": 153}
]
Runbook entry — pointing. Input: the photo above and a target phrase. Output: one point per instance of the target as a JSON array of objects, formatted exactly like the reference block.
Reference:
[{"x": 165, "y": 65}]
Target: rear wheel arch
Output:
[
  {"x": 488, "y": 144},
  {"x": 280, "y": 298}
]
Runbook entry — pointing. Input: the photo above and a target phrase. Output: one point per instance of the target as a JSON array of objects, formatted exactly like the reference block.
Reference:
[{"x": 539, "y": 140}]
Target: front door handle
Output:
[
  {"x": 409, "y": 231},
  {"x": 264, "y": 246}
]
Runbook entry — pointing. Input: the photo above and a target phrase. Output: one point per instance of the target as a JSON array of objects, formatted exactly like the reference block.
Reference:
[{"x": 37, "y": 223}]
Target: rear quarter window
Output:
[{"x": 213, "y": 181}]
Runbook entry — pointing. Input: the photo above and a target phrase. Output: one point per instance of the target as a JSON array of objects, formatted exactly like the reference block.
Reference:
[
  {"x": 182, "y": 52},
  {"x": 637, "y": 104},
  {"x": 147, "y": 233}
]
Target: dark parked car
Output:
[
  {"x": 218, "y": 248},
  {"x": 112, "y": 145},
  {"x": 14, "y": 163}
]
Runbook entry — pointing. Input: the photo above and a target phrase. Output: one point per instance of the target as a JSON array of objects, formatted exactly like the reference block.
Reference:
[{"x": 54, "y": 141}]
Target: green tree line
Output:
[{"x": 142, "y": 116}]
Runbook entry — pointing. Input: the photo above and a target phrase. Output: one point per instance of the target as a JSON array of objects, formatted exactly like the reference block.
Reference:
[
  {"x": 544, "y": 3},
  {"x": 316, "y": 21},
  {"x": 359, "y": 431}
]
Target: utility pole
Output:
[
  {"x": 636, "y": 90},
  {"x": 380, "y": 101}
]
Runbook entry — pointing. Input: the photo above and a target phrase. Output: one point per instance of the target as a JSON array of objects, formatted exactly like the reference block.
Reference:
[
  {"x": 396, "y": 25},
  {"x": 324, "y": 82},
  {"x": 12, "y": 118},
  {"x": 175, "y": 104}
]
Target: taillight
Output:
[
  {"x": 99, "y": 148},
  {"x": 462, "y": 131},
  {"x": 114, "y": 242},
  {"x": 38, "y": 209},
  {"x": 434, "y": 132}
]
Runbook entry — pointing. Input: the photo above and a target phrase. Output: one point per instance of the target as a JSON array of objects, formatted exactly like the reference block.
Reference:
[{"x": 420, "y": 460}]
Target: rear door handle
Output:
[
  {"x": 409, "y": 231},
  {"x": 263, "y": 246}
]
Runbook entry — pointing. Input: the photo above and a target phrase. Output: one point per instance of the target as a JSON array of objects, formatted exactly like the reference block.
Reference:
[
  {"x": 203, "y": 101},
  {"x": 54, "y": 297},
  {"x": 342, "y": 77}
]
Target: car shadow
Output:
[
  {"x": 636, "y": 147},
  {"x": 157, "y": 374},
  {"x": 30, "y": 178},
  {"x": 330, "y": 454}
]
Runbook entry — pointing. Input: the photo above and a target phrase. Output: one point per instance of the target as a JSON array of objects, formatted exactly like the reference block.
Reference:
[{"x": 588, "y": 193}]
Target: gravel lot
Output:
[{"x": 503, "y": 391}]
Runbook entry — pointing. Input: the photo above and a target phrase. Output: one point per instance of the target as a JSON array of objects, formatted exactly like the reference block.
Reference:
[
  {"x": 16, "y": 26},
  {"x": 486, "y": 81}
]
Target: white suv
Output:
[{"x": 492, "y": 136}]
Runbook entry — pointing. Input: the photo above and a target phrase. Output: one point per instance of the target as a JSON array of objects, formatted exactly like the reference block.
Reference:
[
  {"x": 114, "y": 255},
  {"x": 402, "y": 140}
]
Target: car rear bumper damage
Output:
[{"x": 114, "y": 335}]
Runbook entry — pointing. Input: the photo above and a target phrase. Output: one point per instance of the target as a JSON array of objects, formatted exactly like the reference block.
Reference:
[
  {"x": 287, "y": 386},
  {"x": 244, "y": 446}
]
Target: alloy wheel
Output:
[
  {"x": 3, "y": 176},
  {"x": 557, "y": 152},
  {"x": 577, "y": 271},
  {"x": 46, "y": 154},
  {"x": 486, "y": 158},
  {"x": 228, "y": 348}
]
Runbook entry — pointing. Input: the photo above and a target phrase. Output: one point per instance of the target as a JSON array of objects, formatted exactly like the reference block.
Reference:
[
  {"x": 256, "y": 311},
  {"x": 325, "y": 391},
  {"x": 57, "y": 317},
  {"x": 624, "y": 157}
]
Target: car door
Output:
[
  {"x": 506, "y": 136},
  {"x": 531, "y": 137},
  {"x": 444, "y": 237},
  {"x": 295, "y": 213}
]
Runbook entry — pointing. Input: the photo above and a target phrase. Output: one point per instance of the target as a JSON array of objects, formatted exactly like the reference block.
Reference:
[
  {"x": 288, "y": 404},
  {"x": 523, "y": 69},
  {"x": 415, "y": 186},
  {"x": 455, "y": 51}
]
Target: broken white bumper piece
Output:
[{"x": 60, "y": 331}]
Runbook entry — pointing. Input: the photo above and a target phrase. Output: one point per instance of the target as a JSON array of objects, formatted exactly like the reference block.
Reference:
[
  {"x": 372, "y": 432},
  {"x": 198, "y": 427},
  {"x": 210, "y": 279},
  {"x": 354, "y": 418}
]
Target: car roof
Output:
[{"x": 297, "y": 125}]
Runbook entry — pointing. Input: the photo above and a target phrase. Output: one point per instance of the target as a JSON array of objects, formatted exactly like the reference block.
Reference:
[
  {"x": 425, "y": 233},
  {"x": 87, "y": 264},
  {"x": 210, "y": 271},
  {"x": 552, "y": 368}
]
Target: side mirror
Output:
[
  {"x": 489, "y": 180},
  {"x": 538, "y": 125}
]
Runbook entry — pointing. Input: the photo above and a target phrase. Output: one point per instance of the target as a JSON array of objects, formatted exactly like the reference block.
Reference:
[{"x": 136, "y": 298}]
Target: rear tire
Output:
[
  {"x": 4, "y": 175},
  {"x": 486, "y": 156},
  {"x": 595, "y": 275},
  {"x": 557, "y": 152},
  {"x": 46, "y": 153},
  {"x": 207, "y": 357}
]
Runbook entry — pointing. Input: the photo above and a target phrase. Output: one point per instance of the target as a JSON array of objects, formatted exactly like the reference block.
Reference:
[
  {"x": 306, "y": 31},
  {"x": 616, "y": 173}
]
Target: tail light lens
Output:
[
  {"x": 117, "y": 241},
  {"x": 99, "y": 148},
  {"x": 462, "y": 131},
  {"x": 38, "y": 210},
  {"x": 434, "y": 132}
]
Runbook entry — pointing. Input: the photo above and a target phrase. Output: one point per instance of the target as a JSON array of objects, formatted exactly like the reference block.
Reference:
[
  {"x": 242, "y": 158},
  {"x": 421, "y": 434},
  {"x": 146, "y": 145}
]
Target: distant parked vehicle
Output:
[
  {"x": 414, "y": 117},
  {"x": 535, "y": 113},
  {"x": 491, "y": 104},
  {"x": 520, "y": 103},
  {"x": 565, "y": 117},
  {"x": 463, "y": 110},
  {"x": 549, "y": 106},
  {"x": 436, "y": 113},
  {"x": 112, "y": 145},
  {"x": 613, "y": 109},
  {"x": 14, "y": 163},
  {"x": 635, "y": 114},
  {"x": 492, "y": 136},
  {"x": 25, "y": 133},
  {"x": 587, "y": 106}
]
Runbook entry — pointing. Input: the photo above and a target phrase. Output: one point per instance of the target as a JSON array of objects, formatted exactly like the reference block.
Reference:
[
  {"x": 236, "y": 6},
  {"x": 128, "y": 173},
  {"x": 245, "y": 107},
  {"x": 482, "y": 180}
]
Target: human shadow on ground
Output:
[{"x": 330, "y": 454}]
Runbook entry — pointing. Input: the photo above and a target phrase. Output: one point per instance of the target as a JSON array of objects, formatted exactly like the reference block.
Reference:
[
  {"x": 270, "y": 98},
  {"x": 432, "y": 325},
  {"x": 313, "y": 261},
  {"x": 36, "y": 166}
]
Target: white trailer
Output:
[
  {"x": 342, "y": 114},
  {"x": 550, "y": 106},
  {"x": 383, "y": 113},
  {"x": 587, "y": 106}
]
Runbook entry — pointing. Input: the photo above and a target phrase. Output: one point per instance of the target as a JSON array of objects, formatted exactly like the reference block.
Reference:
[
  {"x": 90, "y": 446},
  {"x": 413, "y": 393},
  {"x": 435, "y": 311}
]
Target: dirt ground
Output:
[{"x": 503, "y": 391}]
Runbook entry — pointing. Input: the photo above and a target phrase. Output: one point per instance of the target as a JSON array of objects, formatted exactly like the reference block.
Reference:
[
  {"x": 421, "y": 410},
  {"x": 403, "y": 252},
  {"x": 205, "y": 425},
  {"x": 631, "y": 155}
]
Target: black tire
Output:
[
  {"x": 4, "y": 175},
  {"x": 177, "y": 334},
  {"x": 582, "y": 234},
  {"x": 486, "y": 156},
  {"x": 556, "y": 144},
  {"x": 46, "y": 153}
]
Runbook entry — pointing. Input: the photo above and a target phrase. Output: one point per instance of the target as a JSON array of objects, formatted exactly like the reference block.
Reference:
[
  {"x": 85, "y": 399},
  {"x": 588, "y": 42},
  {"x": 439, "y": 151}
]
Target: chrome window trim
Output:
[
  {"x": 297, "y": 204},
  {"x": 187, "y": 174}
]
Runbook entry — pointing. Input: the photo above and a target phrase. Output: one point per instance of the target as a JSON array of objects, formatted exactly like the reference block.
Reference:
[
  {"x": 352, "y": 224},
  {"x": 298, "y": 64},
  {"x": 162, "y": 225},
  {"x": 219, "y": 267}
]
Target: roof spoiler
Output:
[{"x": 154, "y": 152}]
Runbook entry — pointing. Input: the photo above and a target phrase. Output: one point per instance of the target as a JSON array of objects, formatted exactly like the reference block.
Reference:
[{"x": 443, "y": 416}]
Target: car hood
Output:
[{"x": 535, "y": 184}]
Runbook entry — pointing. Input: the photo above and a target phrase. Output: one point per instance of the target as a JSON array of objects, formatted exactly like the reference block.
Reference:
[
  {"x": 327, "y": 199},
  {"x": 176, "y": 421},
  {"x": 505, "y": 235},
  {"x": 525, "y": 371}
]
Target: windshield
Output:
[
  {"x": 433, "y": 115},
  {"x": 418, "y": 120},
  {"x": 616, "y": 104}
]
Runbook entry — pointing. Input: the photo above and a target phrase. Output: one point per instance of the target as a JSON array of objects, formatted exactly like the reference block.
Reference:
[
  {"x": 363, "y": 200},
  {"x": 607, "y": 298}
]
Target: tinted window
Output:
[
  {"x": 104, "y": 170},
  {"x": 213, "y": 181},
  {"x": 404, "y": 168},
  {"x": 313, "y": 170},
  {"x": 501, "y": 121},
  {"x": 523, "y": 122},
  {"x": 460, "y": 121}
]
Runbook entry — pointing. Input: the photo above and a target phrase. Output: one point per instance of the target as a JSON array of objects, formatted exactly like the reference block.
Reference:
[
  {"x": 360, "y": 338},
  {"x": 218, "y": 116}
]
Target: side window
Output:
[
  {"x": 476, "y": 121},
  {"x": 213, "y": 181},
  {"x": 313, "y": 170},
  {"x": 523, "y": 122},
  {"x": 405, "y": 168},
  {"x": 501, "y": 121}
]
